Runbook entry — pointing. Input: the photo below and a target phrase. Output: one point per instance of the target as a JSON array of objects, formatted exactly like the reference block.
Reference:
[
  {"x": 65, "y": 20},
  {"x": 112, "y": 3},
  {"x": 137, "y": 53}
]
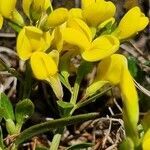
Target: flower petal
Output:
[
  {"x": 81, "y": 26},
  {"x": 101, "y": 47},
  {"x": 7, "y": 7},
  {"x": 76, "y": 12},
  {"x": 43, "y": 66},
  {"x": 57, "y": 17},
  {"x": 98, "y": 12},
  {"x": 75, "y": 37}
]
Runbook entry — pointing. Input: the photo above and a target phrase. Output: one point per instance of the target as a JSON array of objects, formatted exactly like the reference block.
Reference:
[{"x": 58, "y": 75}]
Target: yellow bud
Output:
[
  {"x": 7, "y": 7},
  {"x": 57, "y": 17},
  {"x": 101, "y": 47},
  {"x": 132, "y": 22},
  {"x": 31, "y": 39},
  {"x": 43, "y": 66}
]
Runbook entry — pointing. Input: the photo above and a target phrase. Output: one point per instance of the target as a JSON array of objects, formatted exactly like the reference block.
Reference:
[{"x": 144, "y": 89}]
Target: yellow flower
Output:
[
  {"x": 133, "y": 22},
  {"x": 146, "y": 141},
  {"x": 35, "y": 5},
  {"x": 80, "y": 35},
  {"x": 57, "y": 17},
  {"x": 97, "y": 11},
  {"x": 31, "y": 39},
  {"x": 114, "y": 70},
  {"x": 7, "y": 7},
  {"x": 44, "y": 67}
]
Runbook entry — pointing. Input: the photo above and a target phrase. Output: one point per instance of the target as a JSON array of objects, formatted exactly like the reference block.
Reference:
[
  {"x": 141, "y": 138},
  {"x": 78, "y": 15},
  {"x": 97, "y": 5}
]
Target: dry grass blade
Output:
[{"x": 142, "y": 89}]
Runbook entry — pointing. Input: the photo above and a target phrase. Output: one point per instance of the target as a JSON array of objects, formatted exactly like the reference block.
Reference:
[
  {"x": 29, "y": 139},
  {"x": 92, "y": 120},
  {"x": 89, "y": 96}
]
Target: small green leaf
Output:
[
  {"x": 132, "y": 64},
  {"x": 64, "y": 108},
  {"x": 24, "y": 109},
  {"x": 80, "y": 146},
  {"x": 6, "y": 108},
  {"x": 10, "y": 126},
  {"x": 127, "y": 144}
]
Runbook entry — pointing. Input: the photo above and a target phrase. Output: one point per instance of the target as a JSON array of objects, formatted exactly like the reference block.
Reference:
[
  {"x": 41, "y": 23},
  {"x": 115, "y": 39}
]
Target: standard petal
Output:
[
  {"x": 24, "y": 49},
  {"x": 102, "y": 47},
  {"x": 81, "y": 26},
  {"x": 75, "y": 37},
  {"x": 110, "y": 69}
]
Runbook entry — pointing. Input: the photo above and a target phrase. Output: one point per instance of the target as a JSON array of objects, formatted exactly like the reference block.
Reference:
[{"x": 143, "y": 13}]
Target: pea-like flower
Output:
[
  {"x": 97, "y": 11},
  {"x": 44, "y": 67},
  {"x": 114, "y": 70},
  {"x": 79, "y": 34},
  {"x": 132, "y": 22},
  {"x": 31, "y": 39}
]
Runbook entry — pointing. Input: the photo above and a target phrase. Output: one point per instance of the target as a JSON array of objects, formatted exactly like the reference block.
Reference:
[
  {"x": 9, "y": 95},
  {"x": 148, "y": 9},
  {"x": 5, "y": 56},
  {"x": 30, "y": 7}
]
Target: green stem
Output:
[
  {"x": 75, "y": 90},
  {"x": 27, "y": 82},
  {"x": 12, "y": 71},
  {"x": 51, "y": 125},
  {"x": 91, "y": 99}
]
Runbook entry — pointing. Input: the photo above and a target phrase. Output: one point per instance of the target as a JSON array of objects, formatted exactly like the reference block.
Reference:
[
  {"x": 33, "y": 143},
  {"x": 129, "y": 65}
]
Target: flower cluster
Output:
[{"x": 90, "y": 31}]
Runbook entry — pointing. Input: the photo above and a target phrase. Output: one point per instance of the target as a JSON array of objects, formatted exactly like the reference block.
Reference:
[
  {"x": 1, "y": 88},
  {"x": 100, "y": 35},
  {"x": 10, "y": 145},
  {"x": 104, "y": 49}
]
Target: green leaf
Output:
[
  {"x": 80, "y": 146},
  {"x": 10, "y": 126},
  {"x": 64, "y": 108},
  {"x": 6, "y": 108},
  {"x": 53, "y": 124},
  {"x": 84, "y": 69},
  {"x": 127, "y": 144},
  {"x": 132, "y": 65},
  {"x": 24, "y": 109}
]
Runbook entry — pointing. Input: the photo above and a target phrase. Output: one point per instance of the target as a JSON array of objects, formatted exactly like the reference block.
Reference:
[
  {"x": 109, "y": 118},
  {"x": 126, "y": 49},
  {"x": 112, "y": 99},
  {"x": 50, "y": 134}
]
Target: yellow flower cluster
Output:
[{"x": 80, "y": 31}]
